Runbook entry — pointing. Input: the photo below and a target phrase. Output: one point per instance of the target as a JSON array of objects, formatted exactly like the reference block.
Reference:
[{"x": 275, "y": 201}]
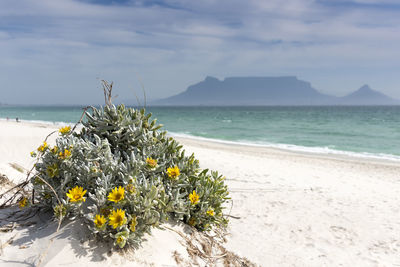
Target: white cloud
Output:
[
  {"x": 380, "y": 2},
  {"x": 51, "y": 44}
]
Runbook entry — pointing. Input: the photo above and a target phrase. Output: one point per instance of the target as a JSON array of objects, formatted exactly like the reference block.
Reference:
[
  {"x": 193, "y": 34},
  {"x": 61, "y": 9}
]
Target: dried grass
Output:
[{"x": 209, "y": 249}]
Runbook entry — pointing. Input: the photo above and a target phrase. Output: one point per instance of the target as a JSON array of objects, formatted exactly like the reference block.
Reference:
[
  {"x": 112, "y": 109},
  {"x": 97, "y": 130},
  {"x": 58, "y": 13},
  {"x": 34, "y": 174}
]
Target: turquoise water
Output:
[{"x": 369, "y": 131}]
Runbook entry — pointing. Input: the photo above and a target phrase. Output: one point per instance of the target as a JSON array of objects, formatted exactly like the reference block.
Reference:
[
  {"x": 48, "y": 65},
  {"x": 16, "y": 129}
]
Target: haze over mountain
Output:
[
  {"x": 287, "y": 90},
  {"x": 366, "y": 96}
]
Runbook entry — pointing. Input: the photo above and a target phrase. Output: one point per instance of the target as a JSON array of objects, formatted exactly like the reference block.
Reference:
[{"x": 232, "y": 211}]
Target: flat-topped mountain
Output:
[{"x": 287, "y": 90}]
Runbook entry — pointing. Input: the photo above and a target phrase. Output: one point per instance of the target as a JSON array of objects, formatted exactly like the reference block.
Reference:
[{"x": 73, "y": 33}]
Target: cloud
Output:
[
  {"x": 371, "y": 2},
  {"x": 61, "y": 47}
]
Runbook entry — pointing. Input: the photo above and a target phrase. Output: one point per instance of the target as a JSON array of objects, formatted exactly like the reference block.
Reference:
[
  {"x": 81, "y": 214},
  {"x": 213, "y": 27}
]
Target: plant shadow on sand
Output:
[
  {"x": 33, "y": 240},
  {"x": 34, "y": 234}
]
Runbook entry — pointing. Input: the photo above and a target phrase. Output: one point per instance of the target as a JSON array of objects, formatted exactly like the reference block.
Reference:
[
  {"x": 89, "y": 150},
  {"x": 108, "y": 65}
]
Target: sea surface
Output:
[{"x": 361, "y": 131}]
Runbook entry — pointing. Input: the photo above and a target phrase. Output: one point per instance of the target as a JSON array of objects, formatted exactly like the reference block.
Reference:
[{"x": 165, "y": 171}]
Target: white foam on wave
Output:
[
  {"x": 52, "y": 123},
  {"x": 317, "y": 150}
]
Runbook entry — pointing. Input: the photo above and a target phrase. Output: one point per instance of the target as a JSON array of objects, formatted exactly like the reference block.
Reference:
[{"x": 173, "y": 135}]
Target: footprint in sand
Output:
[{"x": 342, "y": 234}]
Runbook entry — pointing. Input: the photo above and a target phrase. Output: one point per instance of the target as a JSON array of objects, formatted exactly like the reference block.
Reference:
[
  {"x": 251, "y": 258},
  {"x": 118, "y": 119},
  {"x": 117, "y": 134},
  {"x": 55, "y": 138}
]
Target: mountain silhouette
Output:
[
  {"x": 265, "y": 91},
  {"x": 366, "y": 96}
]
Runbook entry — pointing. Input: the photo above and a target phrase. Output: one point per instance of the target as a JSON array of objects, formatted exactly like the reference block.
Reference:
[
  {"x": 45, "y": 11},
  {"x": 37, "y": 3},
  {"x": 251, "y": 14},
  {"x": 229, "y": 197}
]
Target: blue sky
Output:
[{"x": 55, "y": 52}]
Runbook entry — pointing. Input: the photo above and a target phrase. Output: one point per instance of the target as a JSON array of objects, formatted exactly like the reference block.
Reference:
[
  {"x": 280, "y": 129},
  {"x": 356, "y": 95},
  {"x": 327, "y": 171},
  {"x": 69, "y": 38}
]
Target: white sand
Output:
[
  {"x": 295, "y": 209},
  {"x": 17, "y": 140}
]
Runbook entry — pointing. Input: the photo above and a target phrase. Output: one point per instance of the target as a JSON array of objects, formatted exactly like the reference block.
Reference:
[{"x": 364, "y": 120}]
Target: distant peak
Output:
[
  {"x": 365, "y": 87},
  {"x": 210, "y": 78},
  {"x": 263, "y": 77}
]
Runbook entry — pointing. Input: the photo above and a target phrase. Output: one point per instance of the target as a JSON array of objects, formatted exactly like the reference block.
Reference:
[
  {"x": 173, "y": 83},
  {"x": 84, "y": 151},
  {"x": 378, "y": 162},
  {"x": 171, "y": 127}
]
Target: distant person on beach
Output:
[
  {"x": 16, "y": 119},
  {"x": 8, "y": 118}
]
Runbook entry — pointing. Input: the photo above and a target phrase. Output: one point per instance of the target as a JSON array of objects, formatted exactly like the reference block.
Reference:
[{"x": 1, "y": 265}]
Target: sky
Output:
[{"x": 57, "y": 52}]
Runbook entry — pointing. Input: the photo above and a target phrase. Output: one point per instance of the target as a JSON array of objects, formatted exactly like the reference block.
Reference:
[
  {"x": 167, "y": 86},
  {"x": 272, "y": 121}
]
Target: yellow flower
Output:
[
  {"x": 121, "y": 238},
  {"x": 117, "y": 218},
  {"x": 52, "y": 170},
  {"x": 133, "y": 224},
  {"x": 33, "y": 154},
  {"x": 131, "y": 188},
  {"x": 43, "y": 147},
  {"x": 210, "y": 212},
  {"x": 173, "y": 172},
  {"x": 152, "y": 163},
  {"x": 65, "y": 130},
  {"x": 76, "y": 194},
  {"x": 194, "y": 198},
  {"x": 54, "y": 150},
  {"x": 94, "y": 169},
  {"x": 116, "y": 195},
  {"x": 64, "y": 155},
  {"x": 67, "y": 153},
  {"x": 23, "y": 202},
  {"x": 99, "y": 221},
  {"x": 120, "y": 241}
]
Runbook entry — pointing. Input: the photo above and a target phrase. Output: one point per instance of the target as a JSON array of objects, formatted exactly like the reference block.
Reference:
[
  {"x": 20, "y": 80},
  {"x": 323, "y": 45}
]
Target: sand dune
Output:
[{"x": 289, "y": 208}]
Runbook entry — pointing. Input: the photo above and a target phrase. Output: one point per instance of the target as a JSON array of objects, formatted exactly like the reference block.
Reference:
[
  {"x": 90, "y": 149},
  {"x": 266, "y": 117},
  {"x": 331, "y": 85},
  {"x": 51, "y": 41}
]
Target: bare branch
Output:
[
  {"x": 143, "y": 89},
  {"x": 107, "y": 88}
]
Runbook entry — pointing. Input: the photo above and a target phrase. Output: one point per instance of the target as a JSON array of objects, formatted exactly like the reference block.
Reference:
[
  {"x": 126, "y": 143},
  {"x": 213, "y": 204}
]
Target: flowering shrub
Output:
[{"x": 123, "y": 176}]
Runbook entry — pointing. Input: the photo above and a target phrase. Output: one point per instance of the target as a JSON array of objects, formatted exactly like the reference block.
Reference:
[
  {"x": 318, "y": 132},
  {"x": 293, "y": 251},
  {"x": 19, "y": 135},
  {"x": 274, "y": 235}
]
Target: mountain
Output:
[
  {"x": 249, "y": 91},
  {"x": 265, "y": 91},
  {"x": 366, "y": 96}
]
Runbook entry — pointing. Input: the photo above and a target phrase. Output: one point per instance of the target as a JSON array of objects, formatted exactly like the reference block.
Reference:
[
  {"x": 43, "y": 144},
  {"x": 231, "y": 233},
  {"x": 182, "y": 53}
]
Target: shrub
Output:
[{"x": 123, "y": 176}]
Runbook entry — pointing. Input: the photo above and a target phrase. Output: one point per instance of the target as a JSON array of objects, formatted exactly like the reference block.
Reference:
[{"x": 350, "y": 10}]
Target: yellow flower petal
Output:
[
  {"x": 76, "y": 194},
  {"x": 99, "y": 220},
  {"x": 117, "y": 218},
  {"x": 133, "y": 224},
  {"x": 173, "y": 173},
  {"x": 194, "y": 197},
  {"x": 152, "y": 163},
  {"x": 43, "y": 147},
  {"x": 65, "y": 130},
  {"x": 23, "y": 202},
  {"x": 64, "y": 155},
  {"x": 117, "y": 194},
  {"x": 210, "y": 212}
]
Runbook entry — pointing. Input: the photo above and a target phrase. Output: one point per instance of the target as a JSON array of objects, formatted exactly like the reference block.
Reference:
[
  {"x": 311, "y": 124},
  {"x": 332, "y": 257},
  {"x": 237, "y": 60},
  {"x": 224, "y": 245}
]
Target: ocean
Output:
[{"x": 366, "y": 131}]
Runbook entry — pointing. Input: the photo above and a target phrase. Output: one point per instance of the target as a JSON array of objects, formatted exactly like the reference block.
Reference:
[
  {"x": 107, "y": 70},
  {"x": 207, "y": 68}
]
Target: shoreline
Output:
[
  {"x": 295, "y": 149},
  {"x": 251, "y": 149}
]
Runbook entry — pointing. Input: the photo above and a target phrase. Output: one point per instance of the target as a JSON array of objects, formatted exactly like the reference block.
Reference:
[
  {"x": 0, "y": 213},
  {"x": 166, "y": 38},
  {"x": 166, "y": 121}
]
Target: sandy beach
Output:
[{"x": 288, "y": 208}]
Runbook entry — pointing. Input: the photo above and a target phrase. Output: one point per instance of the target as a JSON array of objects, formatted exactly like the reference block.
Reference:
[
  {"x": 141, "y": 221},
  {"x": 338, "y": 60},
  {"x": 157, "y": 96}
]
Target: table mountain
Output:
[{"x": 264, "y": 91}]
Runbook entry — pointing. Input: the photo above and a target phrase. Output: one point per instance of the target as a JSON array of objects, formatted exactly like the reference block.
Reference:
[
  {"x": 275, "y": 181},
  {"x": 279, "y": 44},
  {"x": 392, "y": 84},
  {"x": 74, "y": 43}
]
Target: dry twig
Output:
[
  {"x": 211, "y": 249},
  {"x": 107, "y": 88}
]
